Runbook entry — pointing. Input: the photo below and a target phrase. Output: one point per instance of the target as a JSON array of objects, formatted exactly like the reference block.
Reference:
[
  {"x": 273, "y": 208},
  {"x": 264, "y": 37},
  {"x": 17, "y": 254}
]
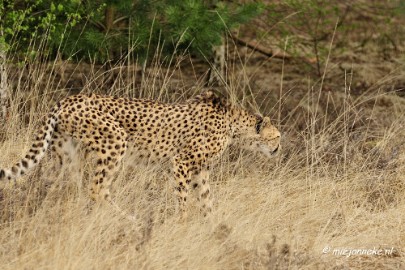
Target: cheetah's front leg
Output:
[
  {"x": 201, "y": 184},
  {"x": 183, "y": 179}
]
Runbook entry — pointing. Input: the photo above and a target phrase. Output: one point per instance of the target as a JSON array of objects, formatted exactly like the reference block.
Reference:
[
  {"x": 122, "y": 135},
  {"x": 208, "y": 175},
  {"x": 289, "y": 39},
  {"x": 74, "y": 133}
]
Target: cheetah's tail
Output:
[{"x": 37, "y": 150}]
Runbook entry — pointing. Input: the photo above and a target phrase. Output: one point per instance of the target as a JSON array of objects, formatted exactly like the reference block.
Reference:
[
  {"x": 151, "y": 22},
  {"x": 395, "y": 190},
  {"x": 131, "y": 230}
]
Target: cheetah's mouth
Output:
[{"x": 269, "y": 152}]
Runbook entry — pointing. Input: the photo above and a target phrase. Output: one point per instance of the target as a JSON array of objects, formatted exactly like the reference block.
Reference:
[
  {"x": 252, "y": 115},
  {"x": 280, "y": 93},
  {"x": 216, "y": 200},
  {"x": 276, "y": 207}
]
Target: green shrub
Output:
[{"x": 103, "y": 30}]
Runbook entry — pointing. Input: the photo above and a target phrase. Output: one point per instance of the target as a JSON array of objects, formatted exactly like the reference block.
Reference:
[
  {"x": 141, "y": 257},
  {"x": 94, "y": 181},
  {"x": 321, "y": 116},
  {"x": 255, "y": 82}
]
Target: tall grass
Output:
[{"x": 337, "y": 186}]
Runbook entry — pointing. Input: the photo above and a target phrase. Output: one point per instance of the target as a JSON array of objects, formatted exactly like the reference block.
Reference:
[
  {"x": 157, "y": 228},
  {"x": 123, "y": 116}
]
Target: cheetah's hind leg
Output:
[
  {"x": 101, "y": 180},
  {"x": 64, "y": 156},
  {"x": 105, "y": 144}
]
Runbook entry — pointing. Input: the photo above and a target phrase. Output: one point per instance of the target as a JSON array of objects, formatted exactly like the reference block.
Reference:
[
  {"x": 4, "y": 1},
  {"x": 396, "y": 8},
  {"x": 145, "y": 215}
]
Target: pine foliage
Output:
[{"x": 109, "y": 29}]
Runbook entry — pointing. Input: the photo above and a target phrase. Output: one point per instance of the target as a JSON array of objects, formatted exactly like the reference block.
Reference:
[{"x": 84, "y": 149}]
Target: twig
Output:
[{"x": 268, "y": 52}]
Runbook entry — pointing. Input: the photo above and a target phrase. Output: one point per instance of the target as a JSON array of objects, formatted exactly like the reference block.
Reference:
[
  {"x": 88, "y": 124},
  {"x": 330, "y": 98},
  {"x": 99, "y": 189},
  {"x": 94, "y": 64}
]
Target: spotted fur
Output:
[{"x": 189, "y": 135}]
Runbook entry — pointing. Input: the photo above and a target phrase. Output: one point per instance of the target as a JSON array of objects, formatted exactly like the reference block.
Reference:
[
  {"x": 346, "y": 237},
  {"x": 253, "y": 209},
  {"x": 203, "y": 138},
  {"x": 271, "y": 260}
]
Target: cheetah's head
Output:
[{"x": 265, "y": 138}]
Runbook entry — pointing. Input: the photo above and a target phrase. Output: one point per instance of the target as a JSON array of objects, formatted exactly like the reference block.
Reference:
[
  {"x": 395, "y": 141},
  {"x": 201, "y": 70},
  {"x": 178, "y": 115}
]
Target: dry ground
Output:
[
  {"x": 333, "y": 199},
  {"x": 306, "y": 209}
]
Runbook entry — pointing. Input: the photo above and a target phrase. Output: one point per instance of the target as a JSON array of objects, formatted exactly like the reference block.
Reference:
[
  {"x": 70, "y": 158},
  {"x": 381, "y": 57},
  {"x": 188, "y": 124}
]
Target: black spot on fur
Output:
[
  {"x": 205, "y": 194},
  {"x": 24, "y": 163},
  {"x": 14, "y": 169}
]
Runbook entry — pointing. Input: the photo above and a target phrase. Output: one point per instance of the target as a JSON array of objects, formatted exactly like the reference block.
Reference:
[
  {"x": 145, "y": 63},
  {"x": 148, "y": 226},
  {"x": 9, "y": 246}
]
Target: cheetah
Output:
[{"x": 190, "y": 136}]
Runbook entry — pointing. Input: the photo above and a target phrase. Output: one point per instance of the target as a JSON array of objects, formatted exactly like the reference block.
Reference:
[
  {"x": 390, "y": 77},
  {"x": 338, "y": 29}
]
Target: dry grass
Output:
[{"x": 338, "y": 184}]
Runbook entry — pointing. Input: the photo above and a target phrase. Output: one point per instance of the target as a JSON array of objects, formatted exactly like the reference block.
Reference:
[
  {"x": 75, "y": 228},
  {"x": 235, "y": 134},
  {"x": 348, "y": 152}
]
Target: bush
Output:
[{"x": 105, "y": 30}]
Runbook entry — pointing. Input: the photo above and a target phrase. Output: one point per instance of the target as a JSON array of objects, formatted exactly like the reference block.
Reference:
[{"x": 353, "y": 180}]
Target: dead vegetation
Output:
[{"x": 337, "y": 184}]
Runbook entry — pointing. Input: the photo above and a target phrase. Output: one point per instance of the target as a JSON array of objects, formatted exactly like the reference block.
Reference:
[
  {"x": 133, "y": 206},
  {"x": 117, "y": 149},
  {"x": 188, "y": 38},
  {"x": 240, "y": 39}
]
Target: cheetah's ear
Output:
[
  {"x": 208, "y": 95},
  {"x": 204, "y": 97},
  {"x": 266, "y": 121},
  {"x": 211, "y": 96}
]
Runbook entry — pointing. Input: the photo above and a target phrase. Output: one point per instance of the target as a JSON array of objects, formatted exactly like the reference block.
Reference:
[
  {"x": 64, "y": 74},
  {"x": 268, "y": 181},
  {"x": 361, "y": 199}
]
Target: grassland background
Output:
[{"x": 338, "y": 183}]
